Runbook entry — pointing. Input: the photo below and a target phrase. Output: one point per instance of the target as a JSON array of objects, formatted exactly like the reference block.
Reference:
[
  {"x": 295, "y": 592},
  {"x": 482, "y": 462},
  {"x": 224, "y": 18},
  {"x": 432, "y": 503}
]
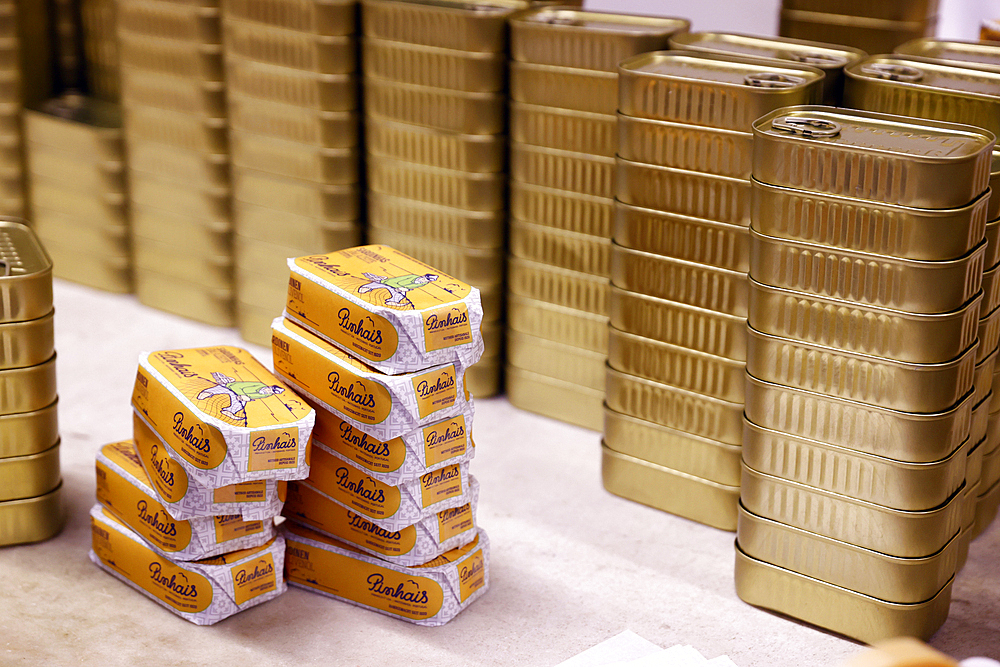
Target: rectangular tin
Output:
[
  {"x": 212, "y": 236},
  {"x": 910, "y": 10},
  {"x": 74, "y": 172},
  {"x": 303, "y": 50},
  {"x": 990, "y": 471},
  {"x": 563, "y": 170},
  {"x": 868, "y": 226},
  {"x": 564, "y": 129},
  {"x": 444, "y": 224},
  {"x": 184, "y": 298},
  {"x": 564, "y": 87},
  {"x": 109, "y": 207},
  {"x": 251, "y": 286},
  {"x": 30, "y": 475},
  {"x": 179, "y": 164},
  {"x": 912, "y": 285},
  {"x": 989, "y": 335},
  {"x": 551, "y": 322},
  {"x": 683, "y": 146},
  {"x": 571, "y": 211},
  {"x": 485, "y": 377},
  {"x": 32, "y": 519},
  {"x": 340, "y": 203},
  {"x": 669, "y": 490},
  {"x": 587, "y": 39},
  {"x": 320, "y": 17},
  {"x": 30, "y": 342},
  {"x": 29, "y": 388},
  {"x": 333, "y": 166},
  {"x": 321, "y": 92},
  {"x": 479, "y": 27},
  {"x": 478, "y": 153},
  {"x": 111, "y": 273},
  {"x": 955, "y": 51},
  {"x": 434, "y": 185},
  {"x": 992, "y": 256},
  {"x": 174, "y": 93},
  {"x": 979, "y": 425},
  {"x": 267, "y": 260},
  {"x": 986, "y": 510},
  {"x": 253, "y": 320},
  {"x": 298, "y": 231},
  {"x": 991, "y": 289},
  {"x": 727, "y": 92},
  {"x": 562, "y": 287},
  {"x": 201, "y": 268},
  {"x": 557, "y": 360},
  {"x": 993, "y": 211},
  {"x": 200, "y": 201},
  {"x": 867, "y": 34},
  {"x": 188, "y": 21},
  {"x": 475, "y": 266},
  {"x": 451, "y": 110},
  {"x": 877, "y": 157},
  {"x": 27, "y": 433},
  {"x": 199, "y": 61},
  {"x": 557, "y": 247},
  {"x": 327, "y": 129},
  {"x": 194, "y": 133},
  {"x": 553, "y": 398},
  {"x": 26, "y": 280},
  {"x": 450, "y": 69}
]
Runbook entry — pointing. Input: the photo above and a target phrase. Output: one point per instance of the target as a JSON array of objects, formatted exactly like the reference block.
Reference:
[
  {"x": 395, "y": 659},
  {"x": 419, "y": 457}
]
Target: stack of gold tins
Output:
[
  {"x": 435, "y": 79},
  {"x": 945, "y": 89},
  {"x": 186, "y": 508},
  {"x": 76, "y": 165},
  {"x": 875, "y": 27},
  {"x": 292, "y": 84},
  {"x": 100, "y": 48},
  {"x": 856, "y": 501},
  {"x": 30, "y": 481},
  {"x": 174, "y": 113},
  {"x": 564, "y": 93},
  {"x": 379, "y": 343},
  {"x": 675, "y": 385}
]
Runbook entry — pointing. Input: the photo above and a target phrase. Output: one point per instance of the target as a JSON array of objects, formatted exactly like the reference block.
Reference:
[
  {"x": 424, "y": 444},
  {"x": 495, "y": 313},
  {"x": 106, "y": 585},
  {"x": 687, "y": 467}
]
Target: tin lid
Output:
[
  {"x": 919, "y": 163},
  {"x": 25, "y": 274},
  {"x": 322, "y": 17},
  {"x": 555, "y": 359},
  {"x": 472, "y": 229},
  {"x": 554, "y": 398},
  {"x": 564, "y": 87},
  {"x": 955, "y": 51},
  {"x": 433, "y": 66},
  {"x": 270, "y": 43},
  {"x": 452, "y": 24},
  {"x": 566, "y": 325}
]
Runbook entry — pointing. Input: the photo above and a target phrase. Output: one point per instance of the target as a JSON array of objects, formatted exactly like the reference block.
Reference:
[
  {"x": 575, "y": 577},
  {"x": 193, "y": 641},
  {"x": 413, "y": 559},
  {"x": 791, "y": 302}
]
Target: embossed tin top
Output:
[
  {"x": 479, "y": 26},
  {"x": 25, "y": 274},
  {"x": 956, "y": 51}
]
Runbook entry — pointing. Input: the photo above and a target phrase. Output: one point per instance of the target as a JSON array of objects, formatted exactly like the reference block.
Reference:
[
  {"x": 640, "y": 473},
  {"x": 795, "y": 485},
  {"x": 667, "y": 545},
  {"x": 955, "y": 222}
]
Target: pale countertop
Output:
[{"x": 571, "y": 564}]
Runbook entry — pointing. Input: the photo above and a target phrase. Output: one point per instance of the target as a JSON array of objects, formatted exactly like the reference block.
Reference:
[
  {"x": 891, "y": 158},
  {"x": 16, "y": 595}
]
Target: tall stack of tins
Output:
[
  {"x": 681, "y": 250},
  {"x": 174, "y": 113},
  {"x": 100, "y": 49},
  {"x": 967, "y": 93},
  {"x": 435, "y": 80},
  {"x": 76, "y": 168},
  {"x": 875, "y": 27},
  {"x": 564, "y": 93},
  {"x": 186, "y": 508},
  {"x": 379, "y": 344},
  {"x": 856, "y": 501},
  {"x": 14, "y": 51},
  {"x": 292, "y": 85},
  {"x": 30, "y": 483}
]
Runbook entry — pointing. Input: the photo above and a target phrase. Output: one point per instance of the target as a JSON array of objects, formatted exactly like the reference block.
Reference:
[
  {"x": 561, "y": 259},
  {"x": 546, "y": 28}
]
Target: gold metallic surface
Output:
[
  {"x": 87, "y": 127},
  {"x": 908, "y": 10},
  {"x": 475, "y": 266},
  {"x": 329, "y": 166},
  {"x": 989, "y": 335},
  {"x": 450, "y": 24},
  {"x": 976, "y": 54},
  {"x": 683, "y": 192},
  {"x": 556, "y": 360},
  {"x": 321, "y": 92},
  {"x": 557, "y": 247},
  {"x": 26, "y": 433},
  {"x": 979, "y": 426},
  {"x": 202, "y": 201},
  {"x": 564, "y": 87},
  {"x": 450, "y": 110},
  {"x": 26, "y": 286},
  {"x": 564, "y": 129},
  {"x": 191, "y": 132},
  {"x": 480, "y": 153},
  {"x": 31, "y": 519},
  {"x": 992, "y": 256},
  {"x": 179, "y": 164},
  {"x": 202, "y": 268},
  {"x": 174, "y": 93},
  {"x": 263, "y": 258},
  {"x": 330, "y": 17},
  {"x": 433, "y": 185},
  {"x": 485, "y": 377},
  {"x": 563, "y": 170},
  {"x": 554, "y": 398},
  {"x": 303, "y": 50},
  {"x": 73, "y": 172},
  {"x": 216, "y": 307},
  {"x": 29, "y": 388},
  {"x": 986, "y": 509},
  {"x": 189, "y": 21},
  {"x": 29, "y": 476},
  {"x": 991, "y": 289},
  {"x": 472, "y": 229},
  {"x": 557, "y": 323},
  {"x": 993, "y": 211},
  {"x": 111, "y": 273},
  {"x": 28, "y": 343},
  {"x": 561, "y": 210},
  {"x": 450, "y": 69},
  {"x": 254, "y": 322},
  {"x": 682, "y": 146},
  {"x": 299, "y": 231},
  {"x": 327, "y": 129},
  {"x": 156, "y": 223},
  {"x": 561, "y": 287},
  {"x": 340, "y": 203},
  {"x": 201, "y": 61},
  {"x": 868, "y": 34}
]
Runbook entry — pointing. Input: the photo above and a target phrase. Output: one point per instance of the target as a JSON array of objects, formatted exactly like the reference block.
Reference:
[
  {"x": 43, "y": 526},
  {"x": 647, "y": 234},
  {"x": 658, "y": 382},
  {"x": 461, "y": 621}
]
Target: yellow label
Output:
[
  {"x": 277, "y": 449},
  {"x": 254, "y": 578},
  {"x": 123, "y": 455},
  {"x": 441, "y": 485},
  {"x": 343, "y": 438},
  {"x": 352, "y": 487},
  {"x": 231, "y": 527},
  {"x": 141, "y": 512},
  {"x": 182, "y": 589},
  {"x": 471, "y": 575},
  {"x": 452, "y": 556},
  {"x": 454, "y": 522},
  {"x": 447, "y": 327},
  {"x": 244, "y": 492},
  {"x": 166, "y": 475},
  {"x": 313, "y": 508},
  {"x": 339, "y": 386},
  {"x": 445, "y": 440},
  {"x": 435, "y": 390},
  {"x": 394, "y": 593}
]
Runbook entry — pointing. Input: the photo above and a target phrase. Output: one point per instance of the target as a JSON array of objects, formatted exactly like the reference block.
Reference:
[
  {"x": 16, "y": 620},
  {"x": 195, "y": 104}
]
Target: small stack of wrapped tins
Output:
[
  {"x": 868, "y": 369},
  {"x": 176, "y": 136},
  {"x": 564, "y": 93},
  {"x": 435, "y": 80},
  {"x": 76, "y": 166},
  {"x": 292, "y": 85},
  {"x": 675, "y": 386},
  {"x": 378, "y": 343},
  {"x": 875, "y": 27},
  {"x": 30, "y": 479},
  {"x": 186, "y": 509}
]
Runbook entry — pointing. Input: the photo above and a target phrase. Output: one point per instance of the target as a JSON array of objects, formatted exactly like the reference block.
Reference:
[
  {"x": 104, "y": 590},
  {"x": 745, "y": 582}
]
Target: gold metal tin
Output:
[
  {"x": 485, "y": 377},
  {"x": 564, "y": 87},
  {"x": 992, "y": 256},
  {"x": 682, "y": 146},
  {"x": 680, "y": 367},
  {"x": 669, "y": 490},
  {"x": 564, "y": 129},
  {"x": 183, "y": 263},
  {"x": 28, "y": 388},
  {"x": 175, "y": 93},
  {"x": 327, "y": 129},
  {"x": 254, "y": 322},
  {"x": 993, "y": 210},
  {"x": 263, "y": 258},
  {"x": 31, "y": 519},
  {"x": 493, "y": 338},
  {"x": 727, "y": 92},
  {"x": 472, "y": 229},
  {"x": 299, "y": 231},
  {"x": 562, "y": 170},
  {"x": 904, "y": 85},
  {"x": 253, "y": 287},
  {"x": 203, "y": 202},
  {"x": 29, "y": 476},
  {"x": 551, "y": 322},
  {"x": 699, "y": 285},
  {"x": 587, "y": 39},
  {"x": 894, "y": 532},
  {"x": 155, "y": 223},
  {"x": 74, "y": 172},
  {"x": 682, "y": 237},
  {"x": 444, "y": 187},
  {"x": 853, "y": 327},
  {"x": 194, "y": 133},
  {"x": 986, "y": 509},
  {"x": 989, "y": 335},
  {"x": 180, "y": 297},
  {"x": 323, "y": 17},
  {"x": 708, "y": 331},
  {"x": 84, "y": 126},
  {"x": 556, "y": 360},
  {"x": 567, "y": 250},
  {"x": 561, "y": 210},
  {"x": 475, "y": 266},
  {"x": 168, "y": 56},
  {"x": 492, "y": 297},
  {"x": 26, "y": 283},
  {"x": 450, "y": 69},
  {"x": 98, "y": 23},
  {"x": 674, "y": 407},
  {"x": 848, "y": 472},
  {"x": 991, "y": 290},
  {"x": 179, "y": 164},
  {"x": 878, "y": 157},
  {"x": 868, "y": 226},
  {"x": 302, "y": 50},
  {"x": 190, "y": 21},
  {"x": 333, "y": 166},
  {"x": 479, "y": 153},
  {"x": 979, "y": 425},
  {"x": 663, "y": 446},
  {"x": 683, "y": 192},
  {"x": 27, "y": 343},
  {"x": 340, "y": 203},
  {"x": 450, "y": 110},
  {"x": 900, "y": 580},
  {"x": 561, "y": 287},
  {"x": 554, "y": 398},
  {"x": 449, "y": 24},
  {"x": 321, "y": 92},
  {"x": 867, "y": 34},
  {"x": 976, "y": 54},
  {"x": 990, "y": 471},
  {"x": 974, "y": 466},
  {"x": 26, "y": 433},
  {"x": 111, "y": 273},
  {"x": 912, "y": 285},
  {"x": 910, "y": 10}
]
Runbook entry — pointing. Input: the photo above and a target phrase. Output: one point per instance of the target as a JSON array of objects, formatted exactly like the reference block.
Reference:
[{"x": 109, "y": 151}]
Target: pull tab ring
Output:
[
  {"x": 810, "y": 128},
  {"x": 772, "y": 80},
  {"x": 892, "y": 72}
]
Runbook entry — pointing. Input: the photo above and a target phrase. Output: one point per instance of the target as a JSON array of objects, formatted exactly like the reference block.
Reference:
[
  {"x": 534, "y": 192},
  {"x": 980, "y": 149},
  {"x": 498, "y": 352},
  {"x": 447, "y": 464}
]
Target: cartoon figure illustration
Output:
[
  {"x": 398, "y": 286},
  {"x": 239, "y": 392}
]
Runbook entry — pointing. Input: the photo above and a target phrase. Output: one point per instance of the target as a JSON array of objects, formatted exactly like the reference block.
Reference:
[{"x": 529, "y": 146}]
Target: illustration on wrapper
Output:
[{"x": 239, "y": 393}]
